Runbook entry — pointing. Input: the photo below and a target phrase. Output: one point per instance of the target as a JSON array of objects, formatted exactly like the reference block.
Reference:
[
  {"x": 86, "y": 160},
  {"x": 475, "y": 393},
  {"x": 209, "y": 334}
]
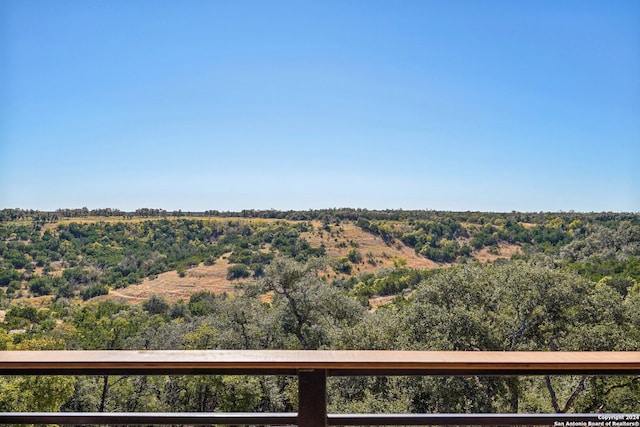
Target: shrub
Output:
[{"x": 238, "y": 271}]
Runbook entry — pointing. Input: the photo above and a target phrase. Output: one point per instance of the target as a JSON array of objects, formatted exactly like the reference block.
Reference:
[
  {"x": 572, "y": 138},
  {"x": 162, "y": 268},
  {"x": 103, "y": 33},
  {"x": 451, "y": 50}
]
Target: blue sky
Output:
[{"x": 229, "y": 105}]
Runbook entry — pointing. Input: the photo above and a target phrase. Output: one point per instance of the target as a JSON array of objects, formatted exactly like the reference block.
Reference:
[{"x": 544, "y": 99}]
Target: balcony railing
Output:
[{"x": 312, "y": 369}]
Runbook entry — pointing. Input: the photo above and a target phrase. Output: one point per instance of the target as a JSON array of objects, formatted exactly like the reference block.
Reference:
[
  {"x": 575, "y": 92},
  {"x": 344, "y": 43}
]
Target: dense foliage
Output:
[
  {"x": 97, "y": 255},
  {"x": 573, "y": 284}
]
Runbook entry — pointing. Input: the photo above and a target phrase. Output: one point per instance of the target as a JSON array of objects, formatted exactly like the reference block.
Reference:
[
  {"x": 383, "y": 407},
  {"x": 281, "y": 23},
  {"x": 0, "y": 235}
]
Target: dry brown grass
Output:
[
  {"x": 38, "y": 302},
  {"x": 376, "y": 302},
  {"x": 56, "y": 272},
  {"x": 212, "y": 278},
  {"x": 505, "y": 251},
  {"x": 337, "y": 244}
]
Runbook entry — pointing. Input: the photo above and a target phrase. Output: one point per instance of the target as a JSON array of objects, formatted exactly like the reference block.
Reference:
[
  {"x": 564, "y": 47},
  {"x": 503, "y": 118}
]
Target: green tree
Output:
[
  {"x": 35, "y": 394},
  {"x": 238, "y": 271},
  {"x": 512, "y": 307},
  {"x": 156, "y": 305},
  {"x": 354, "y": 256},
  {"x": 310, "y": 309}
]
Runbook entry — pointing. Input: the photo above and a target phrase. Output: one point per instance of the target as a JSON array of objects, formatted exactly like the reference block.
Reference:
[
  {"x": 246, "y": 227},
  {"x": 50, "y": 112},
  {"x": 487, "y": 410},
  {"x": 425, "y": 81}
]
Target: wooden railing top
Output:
[
  {"x": 312, "y": 368},
  {"x": 344, "y": 362}
]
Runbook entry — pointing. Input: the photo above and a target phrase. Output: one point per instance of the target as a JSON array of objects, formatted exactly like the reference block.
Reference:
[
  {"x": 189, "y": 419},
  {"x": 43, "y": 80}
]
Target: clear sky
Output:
[{"x": 526, "y": 105}]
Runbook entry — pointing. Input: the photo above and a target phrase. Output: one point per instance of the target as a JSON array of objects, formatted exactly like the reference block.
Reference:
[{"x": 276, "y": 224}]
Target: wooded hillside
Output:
[{"x": 340, "y": 279}]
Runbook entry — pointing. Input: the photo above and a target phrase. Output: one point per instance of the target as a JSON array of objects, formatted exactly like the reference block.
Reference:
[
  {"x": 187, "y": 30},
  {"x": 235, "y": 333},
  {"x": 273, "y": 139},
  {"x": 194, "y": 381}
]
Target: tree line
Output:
[{"x": 328, "y": 215}]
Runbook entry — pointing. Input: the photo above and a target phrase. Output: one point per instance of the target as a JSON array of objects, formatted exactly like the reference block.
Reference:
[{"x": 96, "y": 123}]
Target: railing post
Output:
[{"x": 312, "y": 398}]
